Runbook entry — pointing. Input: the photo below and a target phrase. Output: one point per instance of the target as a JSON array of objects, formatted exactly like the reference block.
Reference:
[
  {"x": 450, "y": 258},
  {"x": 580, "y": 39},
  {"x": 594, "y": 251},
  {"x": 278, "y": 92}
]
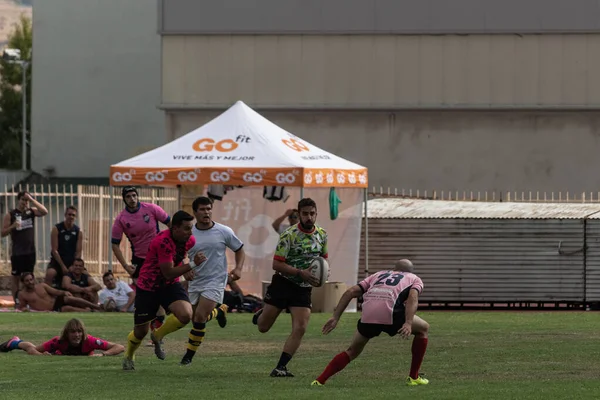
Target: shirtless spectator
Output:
[
  {"x": 80, "y": 284},
  {"x": 117, "y": 296},
  {"x": 42, "y": 297},
  {"x": 74, "y": 341}
]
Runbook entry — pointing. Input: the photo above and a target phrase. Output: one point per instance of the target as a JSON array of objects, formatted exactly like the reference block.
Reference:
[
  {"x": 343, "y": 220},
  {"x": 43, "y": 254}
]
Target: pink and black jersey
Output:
[
  {"x": 162, "y": 250},
  {"x": 385, "y": 294},
  {"x": 140, "y": 227},
  {"x": 63, "y": 348}
]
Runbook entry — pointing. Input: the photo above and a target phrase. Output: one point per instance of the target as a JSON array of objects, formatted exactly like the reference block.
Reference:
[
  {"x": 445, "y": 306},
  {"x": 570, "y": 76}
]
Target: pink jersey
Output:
[
  {"x": 140, "y": 227},
  {"x": 58, "y": 347},
  {"x": 385, "y": 294},
  {"x": 162, "y": 250}
]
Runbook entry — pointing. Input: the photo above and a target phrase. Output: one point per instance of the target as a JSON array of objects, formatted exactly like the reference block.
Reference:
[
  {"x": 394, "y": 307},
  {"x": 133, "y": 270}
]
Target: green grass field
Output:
[{"x": 471, "y": 355}]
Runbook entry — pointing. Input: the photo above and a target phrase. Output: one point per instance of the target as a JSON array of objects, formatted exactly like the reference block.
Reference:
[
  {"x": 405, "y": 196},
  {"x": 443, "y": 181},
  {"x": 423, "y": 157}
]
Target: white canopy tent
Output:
[{"x": 240, "y": 148}]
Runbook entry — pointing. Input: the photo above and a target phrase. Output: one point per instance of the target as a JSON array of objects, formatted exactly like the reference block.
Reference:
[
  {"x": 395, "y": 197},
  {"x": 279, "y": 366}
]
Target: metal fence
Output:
[
  {"x": 94, "y": 218},
  {"x": 488, "y": 196}
]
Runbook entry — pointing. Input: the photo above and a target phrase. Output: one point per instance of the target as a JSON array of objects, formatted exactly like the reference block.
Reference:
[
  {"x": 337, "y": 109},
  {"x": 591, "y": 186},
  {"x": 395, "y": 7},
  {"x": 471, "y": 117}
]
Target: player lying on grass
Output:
[
  {"x": 74, "y": 341},
  {"x": 390, "y": 302}
]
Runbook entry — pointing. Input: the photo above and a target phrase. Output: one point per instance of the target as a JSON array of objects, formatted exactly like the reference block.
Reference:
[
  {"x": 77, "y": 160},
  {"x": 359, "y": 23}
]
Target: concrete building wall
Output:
[
  {"x": 205, "y": 17},
  {"x": 96, "y": 84},
  {"x": 463, "y": 95},
  {"x": 382, "y": 71},
  {"x": 451, "y": 151}
]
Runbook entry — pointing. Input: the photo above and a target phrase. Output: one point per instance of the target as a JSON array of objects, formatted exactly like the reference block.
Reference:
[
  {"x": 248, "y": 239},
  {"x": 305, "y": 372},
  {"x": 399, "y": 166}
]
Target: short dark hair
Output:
[
  {"x": 306, "y": 202},
  {"x": 20, "y": 195},
  {"x": 106, "y": 275},
  {"x": 71, "y": 208},
  {"x": 25, "y": 275},
  {"x": 201, "y": 201},
  {"x": 179, "y": 217},
  {"x": 80, "y": 260}
]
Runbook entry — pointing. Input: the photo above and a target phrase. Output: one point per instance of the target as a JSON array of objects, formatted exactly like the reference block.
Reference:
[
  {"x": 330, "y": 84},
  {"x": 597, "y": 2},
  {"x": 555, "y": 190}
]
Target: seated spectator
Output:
[
  {"x": 237, "y": 301},
  {"x": 42, "y": 297},
  {"x": 66, "y": 241},
  {"x": 117, "y": 296},
  {"x": 74, "y": 341},
  {"x": 81, "y": 284}
]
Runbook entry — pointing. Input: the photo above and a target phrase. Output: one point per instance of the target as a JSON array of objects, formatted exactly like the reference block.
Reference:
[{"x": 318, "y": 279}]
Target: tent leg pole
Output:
[
  {"x": 365, "y": 201},
  {"x": 301, "y": 193},
  {"x": 111, "y": 212}
]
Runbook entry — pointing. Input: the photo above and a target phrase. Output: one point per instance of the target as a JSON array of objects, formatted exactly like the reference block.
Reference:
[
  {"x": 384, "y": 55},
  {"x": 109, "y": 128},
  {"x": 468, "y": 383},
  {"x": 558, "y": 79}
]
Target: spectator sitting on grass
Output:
[
  {"x": 80, "y": 284},
  {"x": 42, "y": 297},
  {"x": 117, "y": 296}
]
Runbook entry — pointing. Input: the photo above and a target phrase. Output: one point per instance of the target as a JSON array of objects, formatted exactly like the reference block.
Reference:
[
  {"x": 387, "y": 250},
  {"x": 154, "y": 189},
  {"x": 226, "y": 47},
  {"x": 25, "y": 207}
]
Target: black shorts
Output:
[
  {"x": 283, "y": 294},
  {"x": 147, "y": 303},
  {"x": 137, "y": 263},
  {"x": 22, "y": 264},
  {"x": 371, "y": 330},
  {"x": 57, "y": 281},
  {"x": 59, "y": 303}
]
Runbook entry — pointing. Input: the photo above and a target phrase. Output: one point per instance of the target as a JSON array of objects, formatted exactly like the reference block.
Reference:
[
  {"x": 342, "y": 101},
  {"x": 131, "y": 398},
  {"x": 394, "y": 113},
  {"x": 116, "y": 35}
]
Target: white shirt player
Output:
[{"x": 210, "y": 277}]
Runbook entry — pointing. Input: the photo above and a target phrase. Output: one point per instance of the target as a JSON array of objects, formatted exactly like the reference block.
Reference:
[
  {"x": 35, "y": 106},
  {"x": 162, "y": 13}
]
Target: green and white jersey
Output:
[{"x": 298, "y": 248}]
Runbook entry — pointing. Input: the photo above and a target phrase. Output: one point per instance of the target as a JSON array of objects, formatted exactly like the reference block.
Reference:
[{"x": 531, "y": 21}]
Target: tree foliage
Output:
[{"x": 11, "y": 108}]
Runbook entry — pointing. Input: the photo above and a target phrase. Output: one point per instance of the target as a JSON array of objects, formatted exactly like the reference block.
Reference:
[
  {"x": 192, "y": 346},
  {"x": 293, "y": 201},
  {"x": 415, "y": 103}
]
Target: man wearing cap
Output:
[{"x": 139, "y": 222}]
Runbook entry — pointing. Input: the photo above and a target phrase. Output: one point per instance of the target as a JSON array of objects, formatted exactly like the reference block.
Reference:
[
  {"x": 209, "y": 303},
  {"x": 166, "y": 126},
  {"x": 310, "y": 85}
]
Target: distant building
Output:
[
  {"x": 96, "y": 85},
  {"x": 467, "y": 95}
]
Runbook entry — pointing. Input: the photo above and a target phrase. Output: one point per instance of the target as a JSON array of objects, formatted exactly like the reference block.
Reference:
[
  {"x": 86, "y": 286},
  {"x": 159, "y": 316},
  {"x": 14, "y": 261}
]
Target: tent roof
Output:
[{"x": 239, "y": 147}]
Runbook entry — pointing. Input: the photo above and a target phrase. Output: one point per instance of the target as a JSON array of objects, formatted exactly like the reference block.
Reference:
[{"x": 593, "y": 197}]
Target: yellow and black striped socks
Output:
[
  {"x": 213, "y": 314},
  {"x": 195, "y": 339}
]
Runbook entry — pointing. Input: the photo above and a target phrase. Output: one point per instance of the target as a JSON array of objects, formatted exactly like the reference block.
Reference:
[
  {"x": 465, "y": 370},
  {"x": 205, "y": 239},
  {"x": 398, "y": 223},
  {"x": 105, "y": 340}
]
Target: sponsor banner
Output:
[
  {"x": 292, "y": 177},
  {"x": 335, "y": 178}
]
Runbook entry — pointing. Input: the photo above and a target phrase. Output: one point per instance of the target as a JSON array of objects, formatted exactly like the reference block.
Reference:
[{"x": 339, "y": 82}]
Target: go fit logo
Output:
[
  {"x": 155, "y": 176},
  {"x": 295, "y": 144},
  {"x": 217, "y": 176},
  {"x": 223, "y": 146},
  {"x": 123, "y": 176},
  {"x": 184, "y": 176}
]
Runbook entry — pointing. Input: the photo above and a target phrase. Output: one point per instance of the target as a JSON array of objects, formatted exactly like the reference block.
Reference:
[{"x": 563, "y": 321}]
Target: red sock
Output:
[
  {"x": 419, "y": 345},
  {"x": 337, "y": 364}
]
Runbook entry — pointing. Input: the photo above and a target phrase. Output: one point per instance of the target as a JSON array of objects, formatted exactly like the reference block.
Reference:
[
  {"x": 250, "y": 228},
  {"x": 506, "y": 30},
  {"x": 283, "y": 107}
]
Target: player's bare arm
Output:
[
  {"x": 280, "y": 219},
  {"x": 67, "y": 283},
  {"x": 55, "y": 292},
  {"x": 240, "y": 257},
  {"x": 170, "y": 271},
  {"x": 7, "y": 227},
  {"x": 38, "y": 208},
  {"x": 412, "y": 303},
  {"x": 305, "y": 275},
  {"x": 119, "y": 254},
  {"x": 94, "y": 286},
  {"x": 54, "y": 249},
  {"x": 23, "y": 303},
  {"x": 352, "y": 293},
  {"x": 113, "y": 350}
]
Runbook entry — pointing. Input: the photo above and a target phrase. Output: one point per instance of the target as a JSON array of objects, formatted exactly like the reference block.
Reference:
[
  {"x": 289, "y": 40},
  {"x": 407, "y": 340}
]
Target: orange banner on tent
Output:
[{"x": 293, "y": 177}]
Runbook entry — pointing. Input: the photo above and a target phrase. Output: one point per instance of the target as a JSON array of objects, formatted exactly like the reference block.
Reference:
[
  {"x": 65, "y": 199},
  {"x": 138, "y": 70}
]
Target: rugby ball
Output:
[{"x": 319, "y": 268}]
